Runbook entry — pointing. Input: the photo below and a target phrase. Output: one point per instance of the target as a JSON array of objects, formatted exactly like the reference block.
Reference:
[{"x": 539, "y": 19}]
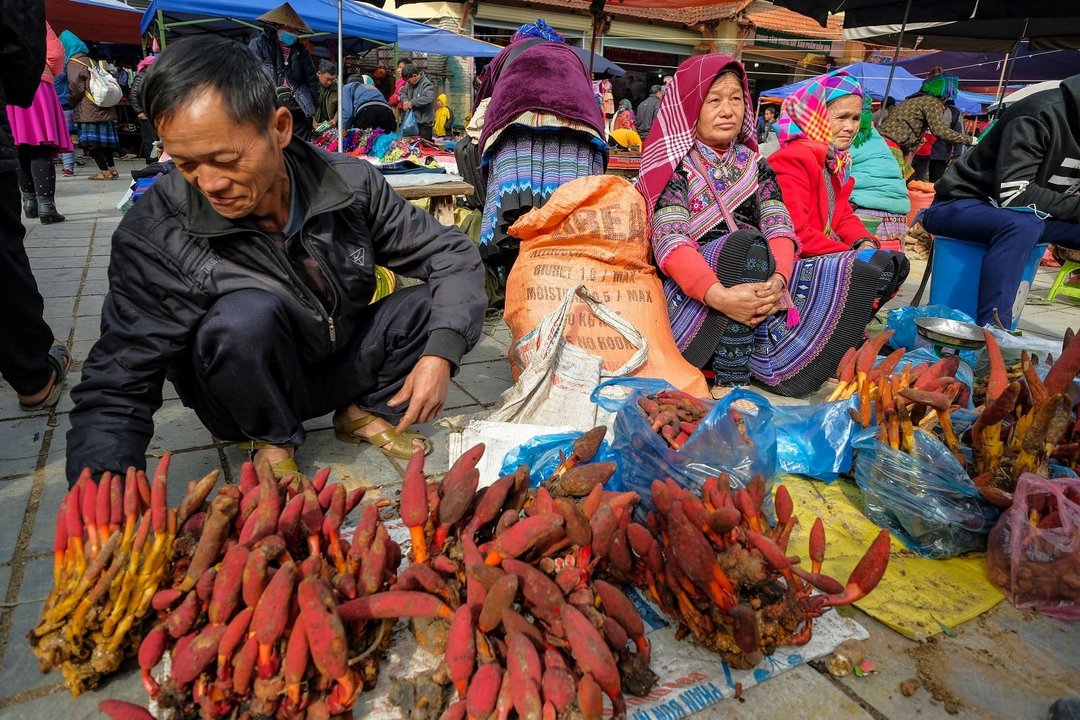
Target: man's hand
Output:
[
  {"x": 425, "y": 390},
  {"x": 141, "y": 116},
  {"x": 407, "y": 105}
]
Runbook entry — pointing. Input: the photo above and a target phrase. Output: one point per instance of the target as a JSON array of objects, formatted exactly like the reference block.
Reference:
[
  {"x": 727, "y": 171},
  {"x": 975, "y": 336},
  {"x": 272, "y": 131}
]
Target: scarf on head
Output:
[
  {"x": 538, "y": 29},
  {"x": 866, "y": 122},
  {"x": 145, "y": 63},
  {"x": 72, "y": 46},
  {"x": 805, "y": 116},
  {"x": 673, "y": 132},
  {"x": 942, "y": 86}
]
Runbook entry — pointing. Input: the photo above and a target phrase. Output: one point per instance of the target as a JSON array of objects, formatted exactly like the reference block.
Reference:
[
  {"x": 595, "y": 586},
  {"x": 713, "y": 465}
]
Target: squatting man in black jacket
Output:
[
  {"x": 246, "y": 278},
  {"x": 1018, "y": 187}
]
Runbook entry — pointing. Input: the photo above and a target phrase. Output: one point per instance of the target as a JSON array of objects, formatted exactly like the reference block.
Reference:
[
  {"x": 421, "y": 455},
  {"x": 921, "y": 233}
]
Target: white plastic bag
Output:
[
  {"x": 102, "y": 88},
  {"x": 559, "y": 377}
]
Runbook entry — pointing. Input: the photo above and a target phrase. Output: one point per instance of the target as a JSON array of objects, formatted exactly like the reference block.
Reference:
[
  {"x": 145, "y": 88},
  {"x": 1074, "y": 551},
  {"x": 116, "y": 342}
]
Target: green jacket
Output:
[{"x": 910, "y": 120}]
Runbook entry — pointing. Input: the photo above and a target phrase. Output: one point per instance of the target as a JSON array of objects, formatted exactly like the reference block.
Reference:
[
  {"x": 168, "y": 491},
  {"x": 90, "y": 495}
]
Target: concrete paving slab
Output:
[
  {"x": 801, "y": 692},
  {"x": 13, "y": 498},
  {"x": 177, "y": 427},
  {"x": 53, "y": 490},
  {"x": 90, "y": 307},
  {"x": 20, "y": 671},
  {"x": 22, "y": 440},
  {"x": 485, "y": 381},
  {"x": 51, "y": 701},
  {"x": 487, "y": 350}
]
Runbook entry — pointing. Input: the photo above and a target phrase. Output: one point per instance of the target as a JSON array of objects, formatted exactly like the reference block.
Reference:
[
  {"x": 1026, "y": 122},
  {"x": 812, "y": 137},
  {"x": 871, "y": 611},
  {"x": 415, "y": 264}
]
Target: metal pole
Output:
[
  {"x": 340, "y": 75},
  {"x": 161, "y": 28},
  {"x": 1006, "y": 71},
  {"x": 896, "y": 55}
]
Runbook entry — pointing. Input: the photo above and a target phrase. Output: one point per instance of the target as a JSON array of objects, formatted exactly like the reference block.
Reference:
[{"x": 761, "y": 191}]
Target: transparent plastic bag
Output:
[
  {"x": 925, "y": 499},
  {"x": 743, "y": 449},
  {"x": 815, "y": 440},
  {"x": 1039, "y": 567},
  {"x": 544, "y": 453},
  {"x": 964, "y": 373}
]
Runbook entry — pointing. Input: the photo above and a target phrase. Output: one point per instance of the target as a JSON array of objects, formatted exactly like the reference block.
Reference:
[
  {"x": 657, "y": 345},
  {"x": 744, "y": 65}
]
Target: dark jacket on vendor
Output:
[
  {"x": 22, "y": 55},
  {"x": 298, "y": 71},
  {"x": 1030, "y": 157},
  {"x": 422, "y": 97},
  {"x": 173, "y": 257}
]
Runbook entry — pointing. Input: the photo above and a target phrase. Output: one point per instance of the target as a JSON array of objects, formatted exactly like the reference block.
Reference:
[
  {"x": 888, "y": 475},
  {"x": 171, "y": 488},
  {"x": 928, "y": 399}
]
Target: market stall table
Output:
[{"x": 440, "y": 194}]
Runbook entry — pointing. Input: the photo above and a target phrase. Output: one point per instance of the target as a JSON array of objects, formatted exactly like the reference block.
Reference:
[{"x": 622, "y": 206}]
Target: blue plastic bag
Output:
[
  {"x": 544, "y": 453},
  {"x": 815, "y": 440},
  {"x": 409, "y": 126},
  {"x": 902, "y": 322},
  {"x": 717, "y": 446},
  {"x": 925, "y": 499},
  {"x": 964, "y": 373}
]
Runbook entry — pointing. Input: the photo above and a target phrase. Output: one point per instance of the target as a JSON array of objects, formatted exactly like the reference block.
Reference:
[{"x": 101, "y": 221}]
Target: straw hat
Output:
[{"x": 284, "y": 16}]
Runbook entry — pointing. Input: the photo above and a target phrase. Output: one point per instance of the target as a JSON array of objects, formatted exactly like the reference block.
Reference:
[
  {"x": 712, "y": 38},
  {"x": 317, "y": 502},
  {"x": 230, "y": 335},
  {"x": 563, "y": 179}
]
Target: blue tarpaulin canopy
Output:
[
  {"x": 871, "y": 76},
  {"x": 359, "y": 23},
  {"x": 874, "y": 76}
]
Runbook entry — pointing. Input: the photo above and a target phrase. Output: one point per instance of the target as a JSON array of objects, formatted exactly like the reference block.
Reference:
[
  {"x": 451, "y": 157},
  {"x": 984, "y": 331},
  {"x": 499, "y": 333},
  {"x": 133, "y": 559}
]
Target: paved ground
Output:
[{"x": 1004, "y": 664}]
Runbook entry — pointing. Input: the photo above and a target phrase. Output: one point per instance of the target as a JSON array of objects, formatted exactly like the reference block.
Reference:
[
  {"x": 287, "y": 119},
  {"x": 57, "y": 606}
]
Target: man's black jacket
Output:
[
  {"x": 22, "y": 58},
  {"x": 173, "y": 256},
  {"x": 1030, "y": 157}
]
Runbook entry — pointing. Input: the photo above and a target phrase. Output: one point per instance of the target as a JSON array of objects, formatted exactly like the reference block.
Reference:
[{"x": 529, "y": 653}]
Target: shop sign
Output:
[{"x": 783, "y": 41}]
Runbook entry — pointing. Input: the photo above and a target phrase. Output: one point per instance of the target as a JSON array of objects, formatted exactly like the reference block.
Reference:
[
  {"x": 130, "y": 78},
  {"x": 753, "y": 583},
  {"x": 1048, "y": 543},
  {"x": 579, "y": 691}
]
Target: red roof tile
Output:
[
  {"x": 668, "y": 12},
  {"x": 767, "y": 16}
]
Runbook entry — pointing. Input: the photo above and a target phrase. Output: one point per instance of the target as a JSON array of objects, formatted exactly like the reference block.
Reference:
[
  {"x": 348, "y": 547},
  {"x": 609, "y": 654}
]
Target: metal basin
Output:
[{"x": 953, "y": 333}]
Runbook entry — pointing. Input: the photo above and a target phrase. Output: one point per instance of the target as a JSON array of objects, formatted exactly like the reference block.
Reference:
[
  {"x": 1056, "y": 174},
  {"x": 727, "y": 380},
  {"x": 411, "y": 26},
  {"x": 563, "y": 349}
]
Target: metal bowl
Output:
[{"x": 953, "y": 333}]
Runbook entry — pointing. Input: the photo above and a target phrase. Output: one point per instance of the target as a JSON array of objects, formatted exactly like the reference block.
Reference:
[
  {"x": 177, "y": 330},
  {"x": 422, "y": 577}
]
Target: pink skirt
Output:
[{"x": 42, "y": 123}]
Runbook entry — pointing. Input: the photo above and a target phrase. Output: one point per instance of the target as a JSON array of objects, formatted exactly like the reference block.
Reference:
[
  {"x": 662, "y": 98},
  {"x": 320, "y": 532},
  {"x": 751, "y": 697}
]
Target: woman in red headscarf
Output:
[
  {"x": 725, "y": 245},
  {"x": 720, "y": 233}
]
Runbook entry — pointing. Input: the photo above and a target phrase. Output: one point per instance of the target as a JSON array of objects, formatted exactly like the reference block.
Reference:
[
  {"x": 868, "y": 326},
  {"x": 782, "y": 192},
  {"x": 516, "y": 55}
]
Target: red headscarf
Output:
[{"x": 674, "y": 131}]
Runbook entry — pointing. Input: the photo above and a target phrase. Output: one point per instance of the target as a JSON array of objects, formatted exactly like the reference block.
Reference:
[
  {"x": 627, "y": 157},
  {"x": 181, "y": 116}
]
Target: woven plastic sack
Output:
[
  {"x": 925, "y": 499},
  {"x": 1038, "y": 565},
  {"x": 744, "y": 449}
]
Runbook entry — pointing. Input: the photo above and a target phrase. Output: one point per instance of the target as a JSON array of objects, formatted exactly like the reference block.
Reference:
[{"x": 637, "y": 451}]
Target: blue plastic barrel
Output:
[{"x": 957, "y": 269}]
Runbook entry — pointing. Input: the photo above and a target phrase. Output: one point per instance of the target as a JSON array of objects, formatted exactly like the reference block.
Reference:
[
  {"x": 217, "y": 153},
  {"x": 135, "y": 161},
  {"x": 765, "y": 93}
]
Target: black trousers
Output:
[
  {"x": 246, "y": 379},
  {"x": 27, "y": 338},
  {"x": 147, "y": 137}
]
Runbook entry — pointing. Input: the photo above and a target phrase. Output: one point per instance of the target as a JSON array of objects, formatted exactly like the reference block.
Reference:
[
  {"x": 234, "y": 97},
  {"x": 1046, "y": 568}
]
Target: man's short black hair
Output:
[
  {"x": 328, "y": 67},
  {"x": 409, "y": 70},
  {"x": 655, "y": 89},
  {"x": 207, "y": 62}
]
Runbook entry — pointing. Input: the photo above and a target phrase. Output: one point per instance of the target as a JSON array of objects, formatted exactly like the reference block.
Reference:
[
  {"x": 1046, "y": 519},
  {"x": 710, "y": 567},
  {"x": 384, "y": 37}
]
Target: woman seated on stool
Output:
[
  {"x": 720, "y": 233},
  {"x": 841, "y": 278}
]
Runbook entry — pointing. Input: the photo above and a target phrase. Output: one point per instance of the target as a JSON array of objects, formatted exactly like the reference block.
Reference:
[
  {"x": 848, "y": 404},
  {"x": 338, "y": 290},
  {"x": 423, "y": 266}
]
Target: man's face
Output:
[
  {"x": 769, "y": 115},
  {"x": 413, "y": 79},
  {"x": 232, "y": 165},
  {"x": 325, "y": 79}
]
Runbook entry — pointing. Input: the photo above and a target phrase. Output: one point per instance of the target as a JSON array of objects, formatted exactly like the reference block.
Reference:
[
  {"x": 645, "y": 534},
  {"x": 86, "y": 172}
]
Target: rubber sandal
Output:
[
  {"x": 103, "y": 175},
  {"x": 282, "y": 469},
  {"x": 60, "y": 361},
  {"x": 401, "y": 444}
]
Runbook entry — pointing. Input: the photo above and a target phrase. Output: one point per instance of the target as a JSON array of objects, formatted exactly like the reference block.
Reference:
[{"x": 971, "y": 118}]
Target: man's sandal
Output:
[
  {"x": 59, "y": 362},
  {"x": 283, "y": 469},
  {"x": 400, "y": 445}
]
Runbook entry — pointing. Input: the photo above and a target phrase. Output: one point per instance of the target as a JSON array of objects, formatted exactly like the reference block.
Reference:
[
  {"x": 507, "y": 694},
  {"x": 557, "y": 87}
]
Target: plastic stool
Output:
[
  {"x": 1061, "y": 282},
  {"x": 957, "y": 267}
]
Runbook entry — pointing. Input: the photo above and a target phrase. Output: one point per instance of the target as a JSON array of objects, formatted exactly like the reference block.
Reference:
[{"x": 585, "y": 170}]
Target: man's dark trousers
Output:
[
  {"x": 247, "y": 379},
  {"x": 27, "y": 338},
  {"x": 1010, "y": 235}
]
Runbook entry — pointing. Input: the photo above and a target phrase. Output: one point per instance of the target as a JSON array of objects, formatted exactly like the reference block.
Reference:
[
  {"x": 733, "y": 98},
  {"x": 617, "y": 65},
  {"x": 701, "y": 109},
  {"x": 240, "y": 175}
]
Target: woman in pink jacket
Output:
[{"x": 40, "y": 132}]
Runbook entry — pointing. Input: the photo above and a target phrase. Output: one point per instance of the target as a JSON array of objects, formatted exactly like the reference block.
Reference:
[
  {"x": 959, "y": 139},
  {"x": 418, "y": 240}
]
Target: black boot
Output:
[
  {"x": 29, "y": 205},
  {"x": 46, "y": 211}
]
